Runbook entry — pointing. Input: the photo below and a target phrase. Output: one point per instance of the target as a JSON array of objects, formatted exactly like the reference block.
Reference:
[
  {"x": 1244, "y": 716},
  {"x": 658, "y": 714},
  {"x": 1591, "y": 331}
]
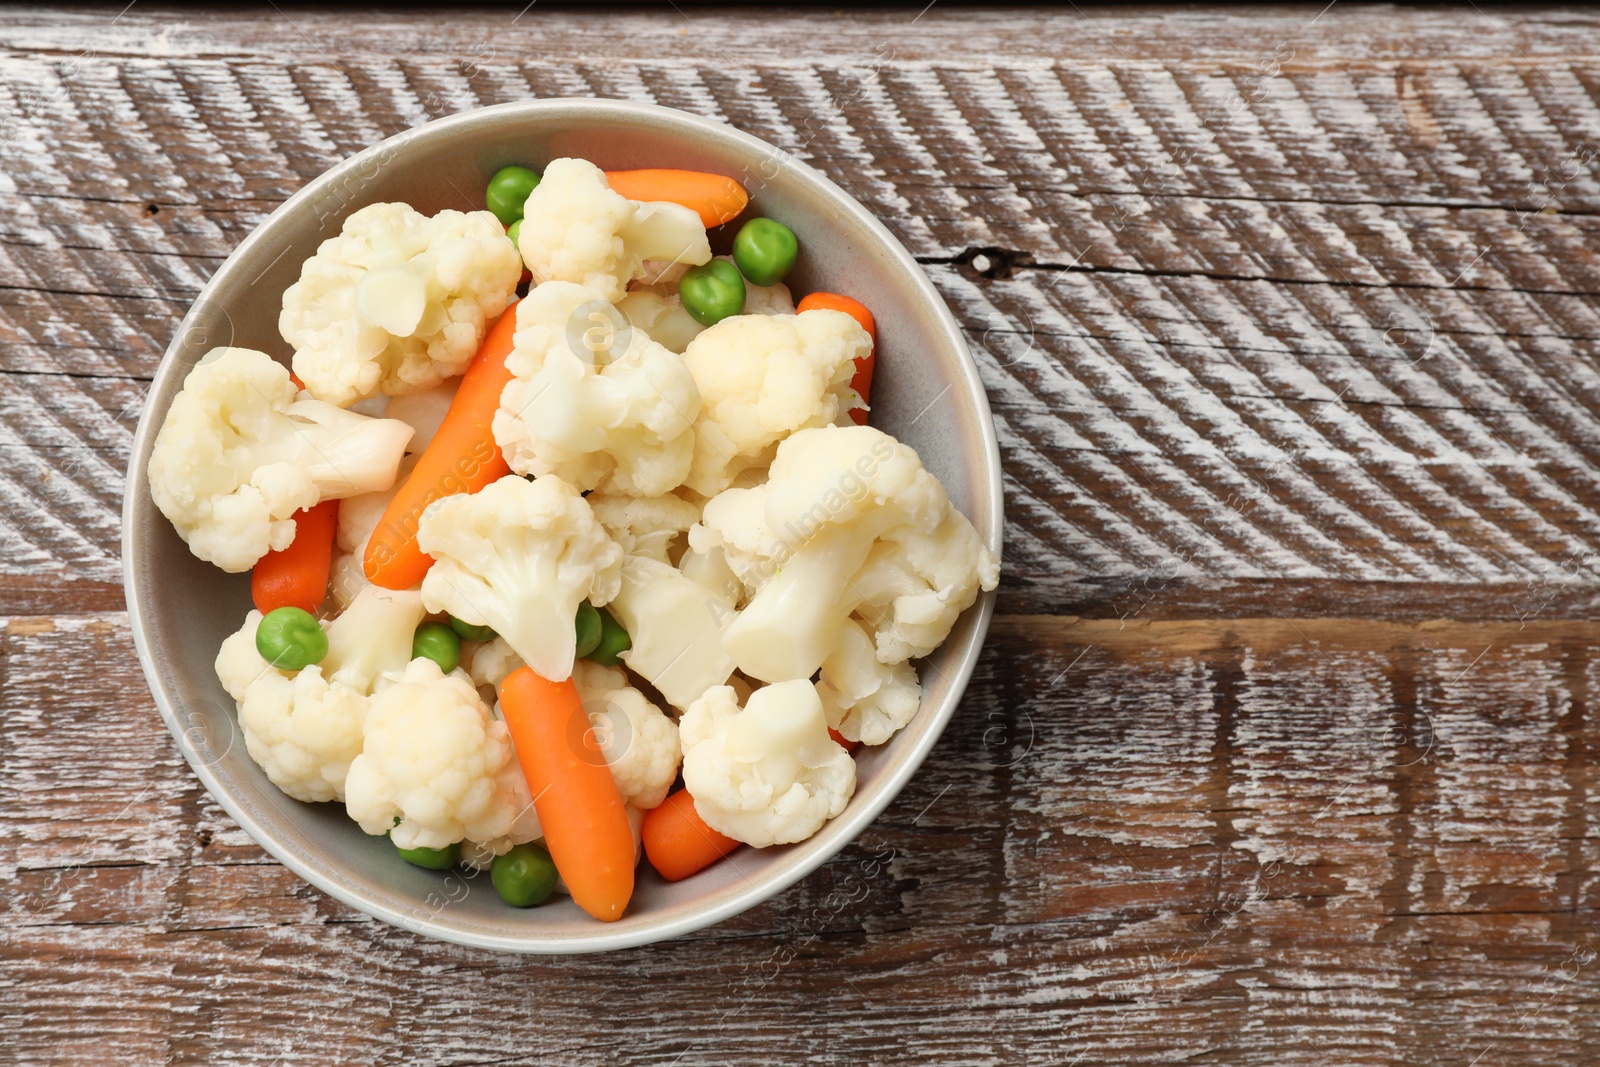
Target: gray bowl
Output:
[{"x": 926, "y": 392}]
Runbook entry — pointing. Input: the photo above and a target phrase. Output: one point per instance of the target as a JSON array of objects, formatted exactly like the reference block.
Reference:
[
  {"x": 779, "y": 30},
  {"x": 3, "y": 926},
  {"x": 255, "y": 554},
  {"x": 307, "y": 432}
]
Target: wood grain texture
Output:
[
  {"x": 1281, "y": 752},
  {"x": 1264, "y": 842}
]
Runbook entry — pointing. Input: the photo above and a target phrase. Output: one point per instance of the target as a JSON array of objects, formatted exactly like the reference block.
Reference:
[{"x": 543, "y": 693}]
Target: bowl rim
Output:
[{"x": 989, "y": 506}]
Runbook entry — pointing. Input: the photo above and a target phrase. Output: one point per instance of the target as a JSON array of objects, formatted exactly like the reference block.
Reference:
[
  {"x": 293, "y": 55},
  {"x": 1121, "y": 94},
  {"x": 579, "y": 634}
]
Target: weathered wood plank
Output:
[
  {"x": 1509, "y": 34},
  {"x": 1284, "y": 322},
  {"x": 1269, "y": 839}
]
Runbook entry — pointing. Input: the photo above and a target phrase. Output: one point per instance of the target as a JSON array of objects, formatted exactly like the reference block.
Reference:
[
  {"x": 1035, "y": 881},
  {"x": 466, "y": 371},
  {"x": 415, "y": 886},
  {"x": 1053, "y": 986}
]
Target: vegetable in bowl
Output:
[{"x": 600, "y": 461}]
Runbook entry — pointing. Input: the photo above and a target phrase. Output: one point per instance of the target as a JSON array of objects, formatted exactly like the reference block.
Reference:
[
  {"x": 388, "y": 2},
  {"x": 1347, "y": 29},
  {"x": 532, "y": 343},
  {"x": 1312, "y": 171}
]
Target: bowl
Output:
[{"x": 926, "y": 392}]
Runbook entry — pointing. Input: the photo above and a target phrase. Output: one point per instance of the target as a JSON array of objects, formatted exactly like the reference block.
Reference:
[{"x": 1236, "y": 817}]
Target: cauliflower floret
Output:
[
  {"x": 865, "y": 700},
  {"x": 346, "y": 578},
  {"x": 491, "y": 662},
  {"x": 576, "y": 229},
  {"x": 733, "y": 526},
  {"x": 373, "y": 637},
  {"x": 644, "y": 525},
  {"x": 593, "y": 679},
  {"x": 358, "y": 518},
  {"x": 767, "y": 775},
  {"x": 676, "y": 626},
  {"x": 655, "y": 307},
  {"x": 397, "y": 302},
  {"x": 761, "y": 378},
  {"x": 424, "y": 412},
  {"x": 238, "y": 454},
  {"x": 639, "y": 741},
  {"x": 304, "y": 728},
  {"x": 674, "y": 621},
  {"x": 303, "y": 731},
  {"x": 520, "y": 556},
  {"x": 370, "y": 639},
  {"x": 437, "y": 760},
  {"x": 238, "y": 664},
  {"x": 832, "y": 495},
  {"x": 592, "y": 400},
  {"x": 771, "y": 299},
  {"x": 709, "y": 569},
  {"x": 916, "y": 584},
  {"x": 661, "y": 316}
]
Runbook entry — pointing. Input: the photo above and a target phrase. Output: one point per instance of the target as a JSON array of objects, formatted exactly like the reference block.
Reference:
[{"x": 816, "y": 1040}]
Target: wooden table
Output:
[{"x": 1282, "y": 749}]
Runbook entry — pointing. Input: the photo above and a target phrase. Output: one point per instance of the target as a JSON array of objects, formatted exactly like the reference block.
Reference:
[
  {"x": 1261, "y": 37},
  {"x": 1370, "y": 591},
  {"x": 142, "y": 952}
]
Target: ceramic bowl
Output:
[{"x": 927, "y": 393}]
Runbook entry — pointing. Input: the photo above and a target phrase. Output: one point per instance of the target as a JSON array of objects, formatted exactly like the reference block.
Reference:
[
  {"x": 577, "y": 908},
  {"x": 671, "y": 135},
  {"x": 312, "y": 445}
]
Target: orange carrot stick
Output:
[
  {"x": 585, "y": 823},
  {"x": 862, "y": 382},
  {"x": 298, "y": 576},
  {"x": 842, "y": 741},
  {"x": 461, "y": 458},
  {"x": 678, "y": 841},
  {"x": 716, "y": 198}
]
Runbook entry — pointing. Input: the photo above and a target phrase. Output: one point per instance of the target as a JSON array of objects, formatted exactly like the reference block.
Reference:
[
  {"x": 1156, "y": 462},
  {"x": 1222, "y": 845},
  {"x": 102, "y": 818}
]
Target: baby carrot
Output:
[
  {"x": 862, "y": 382},
  {"x": 585, "y": 823},
  {"x": 461, "y": 458},
  {"x": 298, "y": 576},
  {"x": 678, "y": 842},
  {"x": 717, "y": 199}
]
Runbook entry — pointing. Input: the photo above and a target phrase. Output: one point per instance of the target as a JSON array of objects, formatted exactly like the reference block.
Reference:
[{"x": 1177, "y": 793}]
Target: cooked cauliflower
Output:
[
  {"x": 762, "y": 377},
  {"x": 644, "y": 526},
  {"x": 298, "y": 728},
  {"x": 397, "y": 302},
  {"x": 491, "y": 662},
  {"x": 916, "y": 583},
  {"x": 346, "y": 579},
  {"x": 240, "y": 452},
  {"x": 593, "y": 401},
  {"x": 520, "y": 556},
  {"x": 709, "y": 569},
  {"x": 304, "y": 728},
  {"x": 866, "y": 700},
  {"x": 358, "y": 518},
  {"x": 657, "y": 309},
  {"x": 834, "y": 497},
  {"x": 303, "y": 731},
  {"x": 435, "y": 759},
  {"x": 733, "y": 527},
  {"x": 661, "y": 316},
  {"x": 676, "y": 626},
  {"x": 372, "y": 638},
  {"x": 424, "y": 412},
  {"x": 576, "y": 229},
  {"x": 767, "y": 775},
  {"x": 640, "y": 743}
]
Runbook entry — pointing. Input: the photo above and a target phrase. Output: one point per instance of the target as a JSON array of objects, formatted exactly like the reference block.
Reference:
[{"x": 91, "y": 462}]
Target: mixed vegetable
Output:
[{"x": 545, "y": 585}]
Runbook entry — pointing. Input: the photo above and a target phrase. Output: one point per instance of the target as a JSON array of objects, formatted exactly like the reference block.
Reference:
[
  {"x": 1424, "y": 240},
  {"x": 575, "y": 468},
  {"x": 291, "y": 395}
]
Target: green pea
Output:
[
  {"x": 436, "y": 641},
  {"x": 468, "y": 632},
  {"x": 508, "y": 191},
  {"x": 525, "y": 876},
  {"x": 515, "y": 234},
  {"x": 435, "y": 859},
  {"x": 589, "y": 629},
  {"x": 765, "y": 249},
  {"x": 711, "y": 292},
  {"x": 291, "y": 638},
  {"x": 614, "y": 641}
]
